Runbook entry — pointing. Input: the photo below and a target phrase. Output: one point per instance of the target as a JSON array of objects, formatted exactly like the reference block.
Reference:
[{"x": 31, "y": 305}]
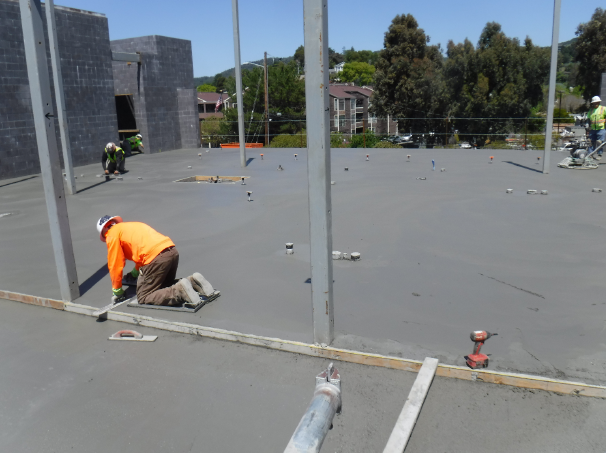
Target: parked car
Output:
[{"x": 465, "y": 145}]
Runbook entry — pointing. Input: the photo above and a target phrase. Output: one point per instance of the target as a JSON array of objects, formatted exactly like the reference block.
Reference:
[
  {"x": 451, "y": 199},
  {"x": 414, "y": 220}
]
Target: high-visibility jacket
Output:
[
  {"x": 135, "y": 142},
  {"x": 597, "y": 118},
  {"x": 133, "y": 241}
]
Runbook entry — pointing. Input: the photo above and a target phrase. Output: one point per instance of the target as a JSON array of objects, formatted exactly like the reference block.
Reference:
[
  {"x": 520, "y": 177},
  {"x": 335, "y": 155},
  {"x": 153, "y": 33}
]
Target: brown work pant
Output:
[{"x": 156, "y": 280}]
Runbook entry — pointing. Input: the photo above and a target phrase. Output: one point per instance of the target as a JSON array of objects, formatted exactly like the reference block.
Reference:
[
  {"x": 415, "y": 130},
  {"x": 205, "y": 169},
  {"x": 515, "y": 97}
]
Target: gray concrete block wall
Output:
[
  {"x": 165, "y": 104},
  {"x": 83, "y": 39}
]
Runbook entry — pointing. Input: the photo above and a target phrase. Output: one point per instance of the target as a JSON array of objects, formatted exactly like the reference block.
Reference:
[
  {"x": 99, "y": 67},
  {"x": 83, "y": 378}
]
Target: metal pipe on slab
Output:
[{"x": 317, "y": 420}]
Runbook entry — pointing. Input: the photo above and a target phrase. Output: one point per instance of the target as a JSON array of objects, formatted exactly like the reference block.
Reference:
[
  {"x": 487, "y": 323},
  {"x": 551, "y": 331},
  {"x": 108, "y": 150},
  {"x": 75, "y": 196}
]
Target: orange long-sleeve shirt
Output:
[{"x": 134, "y": 241}]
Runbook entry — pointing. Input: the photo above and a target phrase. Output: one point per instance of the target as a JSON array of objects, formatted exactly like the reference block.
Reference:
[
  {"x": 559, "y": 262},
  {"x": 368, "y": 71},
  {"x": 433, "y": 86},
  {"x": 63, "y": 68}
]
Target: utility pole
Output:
[
  {"x": 552, "y": 83},
  {"x": 50, "y": 165},
  {"x": 239, "y": 96},
  {"x": 53, "y": 43},
  {"x": 266, "y": 103},
  {"x": 364, "y": 130}
]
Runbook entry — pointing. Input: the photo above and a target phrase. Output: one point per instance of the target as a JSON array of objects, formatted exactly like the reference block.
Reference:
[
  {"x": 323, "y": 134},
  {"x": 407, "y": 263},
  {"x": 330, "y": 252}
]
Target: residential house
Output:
[
  {"x": 349, "y": 105},
  {"x": 338, "y": 68},
  {"x": 207, "y": 103}
]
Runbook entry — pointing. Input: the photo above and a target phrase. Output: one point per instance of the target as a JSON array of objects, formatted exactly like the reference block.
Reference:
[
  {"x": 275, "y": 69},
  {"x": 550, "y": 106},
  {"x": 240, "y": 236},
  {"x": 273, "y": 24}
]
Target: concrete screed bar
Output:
[
  {"x": 53, "y": 43},
  {"x": 42, "y": 107},
  {"x": 318, "y": 167},
  {"x": 242, "y": 138},
  {"x": 552, "y": 81}
]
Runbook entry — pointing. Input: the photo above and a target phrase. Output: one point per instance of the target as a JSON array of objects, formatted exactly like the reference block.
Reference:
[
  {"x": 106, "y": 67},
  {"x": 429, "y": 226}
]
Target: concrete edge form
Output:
[
  {"x": 412, "y": 407},
  {"x": 344, "y": 355}
]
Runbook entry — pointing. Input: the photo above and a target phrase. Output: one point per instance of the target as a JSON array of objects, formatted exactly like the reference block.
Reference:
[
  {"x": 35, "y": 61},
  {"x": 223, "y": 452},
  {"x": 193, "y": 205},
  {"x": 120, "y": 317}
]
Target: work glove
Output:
[
  {"x": 119, "y": 295},
  {"x": 130, "y": 279}
]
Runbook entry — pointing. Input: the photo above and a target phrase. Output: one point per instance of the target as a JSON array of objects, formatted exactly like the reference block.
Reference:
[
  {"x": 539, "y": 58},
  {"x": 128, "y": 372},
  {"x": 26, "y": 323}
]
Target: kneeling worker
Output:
[
  {"x": 156, "y": 260},
  {"x": 136, "y": 142},
  {"x": 113, "y": 159}
]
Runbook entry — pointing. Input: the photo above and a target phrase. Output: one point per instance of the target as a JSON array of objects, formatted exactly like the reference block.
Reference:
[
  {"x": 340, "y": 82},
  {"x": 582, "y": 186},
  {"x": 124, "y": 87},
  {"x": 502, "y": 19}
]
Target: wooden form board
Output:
[{"x": 362, "y": 358}]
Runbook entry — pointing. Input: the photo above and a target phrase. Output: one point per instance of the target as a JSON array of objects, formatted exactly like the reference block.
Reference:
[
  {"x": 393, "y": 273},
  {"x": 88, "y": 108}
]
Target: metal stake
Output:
[
  {"x": 60, "y": 97},
  {"x": 552, "y": 83},
  {"x": 317, "y": 420},
  {"x": 318, "y": 167},
  {"x": 50, "y": 165},
  {"x": 242, "y": 138}
]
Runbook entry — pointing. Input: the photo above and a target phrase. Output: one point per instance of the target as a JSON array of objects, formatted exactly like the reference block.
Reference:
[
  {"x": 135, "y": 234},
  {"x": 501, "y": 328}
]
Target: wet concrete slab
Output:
[
  {"x": 64, "y": 387},
  {"x": 440, "y": 257}
]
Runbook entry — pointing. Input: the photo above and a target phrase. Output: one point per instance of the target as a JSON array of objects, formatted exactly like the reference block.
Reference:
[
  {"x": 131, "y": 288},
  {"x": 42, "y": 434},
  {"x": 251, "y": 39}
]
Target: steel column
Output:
[
  {"x": 552, "y": 83},
  {"x": 42, "y": 107},
  {"x": 239, "y": 96},
  {"x": 318, "y": 167},
  {"x": 317, "y": 420},
  {"x": 60, "y": 96}
]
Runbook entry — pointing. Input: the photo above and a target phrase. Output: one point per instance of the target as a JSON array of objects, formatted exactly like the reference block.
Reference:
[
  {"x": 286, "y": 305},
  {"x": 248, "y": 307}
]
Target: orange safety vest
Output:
[
  {"x": 133, "y": 241},
  {"x": 597, "y": 118}
]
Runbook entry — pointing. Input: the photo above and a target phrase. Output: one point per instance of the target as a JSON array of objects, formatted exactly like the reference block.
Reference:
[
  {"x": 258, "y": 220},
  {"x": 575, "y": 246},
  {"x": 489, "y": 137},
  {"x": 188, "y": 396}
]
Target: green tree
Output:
[
  {"x": 212, "y": 130},
  {"x": 334, "y": 58},
  {"x": 219, "y": 82},
  {"x": 408, "y": 77},
  {"x": 590, "y": 53},
  {"x": 362, "y": 56},
  {"x": 360, "y": 73},
  {"x": 300, "y": 56},
  {"x": 497, "y": 79},
  {"x": 206, "y": 88}
]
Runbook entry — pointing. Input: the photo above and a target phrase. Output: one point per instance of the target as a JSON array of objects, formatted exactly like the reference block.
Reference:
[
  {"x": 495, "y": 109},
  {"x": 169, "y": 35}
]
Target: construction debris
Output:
[
  {"x": 596, "y": 190},
  {"x": 290, "y": 248},
  {"x": 509, "y": 191}
]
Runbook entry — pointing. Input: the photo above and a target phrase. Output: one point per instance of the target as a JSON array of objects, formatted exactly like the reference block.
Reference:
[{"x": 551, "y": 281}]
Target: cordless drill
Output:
[{"x": 476, "y": 360}]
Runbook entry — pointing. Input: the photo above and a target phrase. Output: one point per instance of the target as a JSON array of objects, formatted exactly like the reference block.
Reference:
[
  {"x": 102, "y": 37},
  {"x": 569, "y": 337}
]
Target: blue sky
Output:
[{"x": 276, "y": 26}]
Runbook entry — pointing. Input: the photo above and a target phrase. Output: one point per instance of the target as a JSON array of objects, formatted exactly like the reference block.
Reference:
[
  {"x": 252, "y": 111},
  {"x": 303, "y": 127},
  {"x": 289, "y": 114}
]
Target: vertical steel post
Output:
[
  {"x": 42, "y": 107},
  {"x": 239, "y": 95},
  {"x": 318, "y": 167},
  {"x": 266, "y": 101},
  {"x": 552, "y": 83},
  {"x": 60, "y": 96}
]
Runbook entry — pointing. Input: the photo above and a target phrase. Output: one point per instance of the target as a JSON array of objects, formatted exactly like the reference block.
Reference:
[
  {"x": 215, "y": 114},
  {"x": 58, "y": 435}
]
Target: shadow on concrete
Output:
[
  {"x": 91, "y": 281},
  {"x": 21, "y": 180},
  {"x": 249, "y": 160},
  {"x": 522, "y": 166},
  {"x": 107, "y": 179}
]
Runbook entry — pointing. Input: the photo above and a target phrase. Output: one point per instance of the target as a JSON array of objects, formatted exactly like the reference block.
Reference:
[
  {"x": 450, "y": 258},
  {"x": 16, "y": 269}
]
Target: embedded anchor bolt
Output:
[
  {"x": 531, "y": 192},
  {"x": 355, "y": 256},
  {"x": 442, "y": 169},
  {"x": 408, "y": 156},
  {"x": 509, "y": 191},
  {"x": 189, "y": 166},
  {"x": 346, "y": 168},
  {"x": 261, "y": 156},
  {"x": 249, "y": 193},
  {"x": 290, "y": 248},
  {"x": 243, "y": 181},
  {"x": 295, "y": 157},
  {"x": 544, "y": 192},
  {"x": 491, "y": 157},
  {"x": 280, "y": 168},
  {"x": 140, "y": 178},
  {"x": 367, "y": 157},
  {"x": 332, "y": 183}
]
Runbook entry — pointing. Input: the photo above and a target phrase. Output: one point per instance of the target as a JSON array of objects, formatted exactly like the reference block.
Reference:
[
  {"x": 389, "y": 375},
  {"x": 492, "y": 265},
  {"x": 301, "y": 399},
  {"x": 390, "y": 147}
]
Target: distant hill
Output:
[{"x": 231, "y": 72}]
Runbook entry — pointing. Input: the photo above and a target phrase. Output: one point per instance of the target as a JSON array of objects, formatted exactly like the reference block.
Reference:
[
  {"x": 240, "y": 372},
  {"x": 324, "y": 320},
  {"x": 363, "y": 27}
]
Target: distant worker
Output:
[
  {"x": 156, "y": 260},
  {"x": 597, "y": 120},
  {"x": 113, "y": 159},
  {"x": 134, "y": 143}
]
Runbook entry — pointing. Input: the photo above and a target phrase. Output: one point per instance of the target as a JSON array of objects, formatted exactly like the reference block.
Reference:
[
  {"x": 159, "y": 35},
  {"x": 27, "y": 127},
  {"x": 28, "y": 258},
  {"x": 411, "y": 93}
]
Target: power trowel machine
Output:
[{"x": 580, "y": 157}]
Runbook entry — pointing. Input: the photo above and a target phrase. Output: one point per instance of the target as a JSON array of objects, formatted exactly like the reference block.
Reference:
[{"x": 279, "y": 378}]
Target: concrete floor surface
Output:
[
  {"x": 65, "y": 387},
  {"x": 440, "y": 257}
]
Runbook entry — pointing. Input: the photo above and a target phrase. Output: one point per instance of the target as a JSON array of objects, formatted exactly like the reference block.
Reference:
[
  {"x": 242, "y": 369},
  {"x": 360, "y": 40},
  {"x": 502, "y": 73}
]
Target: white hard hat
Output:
[
  {"x": 110, "y": 146},
  {"x": 595, "y": 99},
  {"x": 139, "y": 136},
  {"x": 105, "y": 222}
]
